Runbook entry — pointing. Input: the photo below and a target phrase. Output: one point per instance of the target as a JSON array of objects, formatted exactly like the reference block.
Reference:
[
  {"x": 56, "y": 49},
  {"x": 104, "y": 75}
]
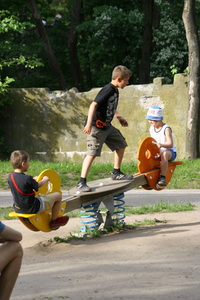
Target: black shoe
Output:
[
  {"x": 121, "y": 176},
  {"x": 83, "y": 187},
  {"x": 162, "y": 182}
]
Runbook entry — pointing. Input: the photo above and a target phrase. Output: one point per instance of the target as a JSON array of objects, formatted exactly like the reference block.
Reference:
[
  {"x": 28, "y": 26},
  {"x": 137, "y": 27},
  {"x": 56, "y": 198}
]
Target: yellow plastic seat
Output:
[
  {"x": 40, "y": 222},
  {"x": 55, "y": 183}
]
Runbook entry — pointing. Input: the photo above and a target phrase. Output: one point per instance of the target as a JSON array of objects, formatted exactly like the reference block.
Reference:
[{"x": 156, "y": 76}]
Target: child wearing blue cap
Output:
[{"x": 162, "y": 133}]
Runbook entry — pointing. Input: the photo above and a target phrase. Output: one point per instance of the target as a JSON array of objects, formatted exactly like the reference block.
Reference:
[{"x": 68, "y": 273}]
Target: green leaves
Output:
[
  {"x": 10, "y": 22},
  {"x": 109, "y": 38},
  {"x": 12, "y": 32},
  {"x": 4, "y": 87},
  {"x": 170, "y": 45},
  {"x": 28, "y": 62}
]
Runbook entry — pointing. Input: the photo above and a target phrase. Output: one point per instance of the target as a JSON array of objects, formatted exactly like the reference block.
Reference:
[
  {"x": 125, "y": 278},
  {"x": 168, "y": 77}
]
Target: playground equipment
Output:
[
  {"x": 119, "y": 207},
  {"x": 90, "y": 217},
  {"x": 149, "y": 163},
  {"x": 110, "y": 192},
  {"x": 40, "y": 222}
]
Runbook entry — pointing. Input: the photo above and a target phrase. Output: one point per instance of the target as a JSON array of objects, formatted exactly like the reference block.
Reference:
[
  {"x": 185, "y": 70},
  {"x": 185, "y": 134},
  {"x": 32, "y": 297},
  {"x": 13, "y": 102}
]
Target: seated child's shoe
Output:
[
  {"x": 62, "y": 220},
  {"x": 162, "y": 182},
  {"x": 121, "y": 176},
  {"x": 55, "y": 224}
]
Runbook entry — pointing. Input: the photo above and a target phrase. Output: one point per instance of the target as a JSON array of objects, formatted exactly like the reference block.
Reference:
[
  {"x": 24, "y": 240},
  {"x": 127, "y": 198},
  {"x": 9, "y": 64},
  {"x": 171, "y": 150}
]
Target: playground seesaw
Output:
[{"x": 104, "y": 190}]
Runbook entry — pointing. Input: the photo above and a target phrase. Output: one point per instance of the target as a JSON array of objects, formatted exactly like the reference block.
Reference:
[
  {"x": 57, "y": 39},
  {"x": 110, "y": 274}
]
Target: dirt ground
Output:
[{"x": 153, "y": 262}]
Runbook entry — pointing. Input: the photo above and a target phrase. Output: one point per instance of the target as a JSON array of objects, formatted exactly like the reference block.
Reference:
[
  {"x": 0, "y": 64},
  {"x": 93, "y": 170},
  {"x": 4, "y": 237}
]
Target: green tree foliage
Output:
[
  {"x": 110, "y": 33},
  {"x": 13, "y": 58},
  {"x": 100, "y": 37},
  {"x": 10, "y": 56},
  {"x": 169, "y": 42}
]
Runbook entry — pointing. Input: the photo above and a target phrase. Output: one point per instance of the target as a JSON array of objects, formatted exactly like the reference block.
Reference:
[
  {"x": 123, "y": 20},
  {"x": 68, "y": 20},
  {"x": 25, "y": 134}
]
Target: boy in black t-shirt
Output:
[
  {"x": 22, "y": 187},
  {"x": 100, "y": 130}
]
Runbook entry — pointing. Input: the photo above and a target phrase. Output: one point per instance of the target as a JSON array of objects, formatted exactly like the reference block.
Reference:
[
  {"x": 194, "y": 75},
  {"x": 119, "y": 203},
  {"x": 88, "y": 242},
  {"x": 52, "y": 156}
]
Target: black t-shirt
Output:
[
  {"x": 107, "y": 100},
  {"x": 24, "y": 202}
]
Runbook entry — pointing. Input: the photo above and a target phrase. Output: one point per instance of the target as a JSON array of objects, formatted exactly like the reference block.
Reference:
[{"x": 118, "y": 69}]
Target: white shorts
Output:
[{"x": 46, "y": 202}]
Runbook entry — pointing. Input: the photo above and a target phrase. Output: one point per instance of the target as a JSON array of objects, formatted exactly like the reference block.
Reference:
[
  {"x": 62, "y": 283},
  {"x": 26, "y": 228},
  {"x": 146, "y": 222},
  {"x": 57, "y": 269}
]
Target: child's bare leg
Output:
[
  {"x": 119, "y": 153},
  {"x": 56, "y": 207},
  {"x": 116, "y": 173},
  {"x": 86, "y": 165},
  {"x": 56, "y": 221},
  {"x": 165, "y": 157},
  {"x": 10, "y": 262},
  {"x": 82, "y": 185}
]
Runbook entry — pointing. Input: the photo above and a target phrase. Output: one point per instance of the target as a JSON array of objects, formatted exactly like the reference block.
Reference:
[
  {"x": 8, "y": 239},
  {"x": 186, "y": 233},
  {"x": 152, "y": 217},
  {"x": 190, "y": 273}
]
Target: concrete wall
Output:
[{"x": 49, "y": 125}]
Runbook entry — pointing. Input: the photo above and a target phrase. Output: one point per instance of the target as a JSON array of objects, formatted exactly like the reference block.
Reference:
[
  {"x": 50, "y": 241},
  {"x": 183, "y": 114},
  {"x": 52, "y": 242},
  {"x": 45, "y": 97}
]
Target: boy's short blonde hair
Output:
[
  {"x": 17, "y": 157},
  {"x": 122, "y": 72}
]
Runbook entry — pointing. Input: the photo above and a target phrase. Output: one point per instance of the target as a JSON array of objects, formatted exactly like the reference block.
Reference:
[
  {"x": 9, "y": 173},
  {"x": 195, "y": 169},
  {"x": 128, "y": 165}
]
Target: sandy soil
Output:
[{"x": 154, "y": 262}]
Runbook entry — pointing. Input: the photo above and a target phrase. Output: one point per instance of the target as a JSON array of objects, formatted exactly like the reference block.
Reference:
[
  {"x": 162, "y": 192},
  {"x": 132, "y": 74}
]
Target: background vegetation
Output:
[
  {"x": 105, "y": 34},
  {"x": 60, "y": 44},
  {"x": 186, "y": 176}
]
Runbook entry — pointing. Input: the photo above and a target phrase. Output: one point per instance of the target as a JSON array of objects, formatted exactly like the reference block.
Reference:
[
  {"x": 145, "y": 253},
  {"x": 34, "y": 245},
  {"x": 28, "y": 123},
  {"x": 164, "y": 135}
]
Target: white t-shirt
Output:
[{"x": 160, "y": 137}]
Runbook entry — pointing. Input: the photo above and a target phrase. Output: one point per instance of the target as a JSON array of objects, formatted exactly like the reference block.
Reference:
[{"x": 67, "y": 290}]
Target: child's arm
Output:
[
  {"x": 168, "y": 139},
  {"x": 9, "y": 234},
  {"x": 88, "y": 126},
  {"x": 43, "y": 181},
  {"x": 122, "y": 121}
]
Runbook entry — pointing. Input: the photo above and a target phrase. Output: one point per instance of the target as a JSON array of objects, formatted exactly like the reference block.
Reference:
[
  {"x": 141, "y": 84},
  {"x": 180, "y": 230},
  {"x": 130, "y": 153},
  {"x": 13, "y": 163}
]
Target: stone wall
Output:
[{"x": 49, "y": 125}]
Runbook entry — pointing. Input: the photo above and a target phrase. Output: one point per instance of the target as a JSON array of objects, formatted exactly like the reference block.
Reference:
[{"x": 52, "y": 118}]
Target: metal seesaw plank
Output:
[{"x": 102, "y": 190}]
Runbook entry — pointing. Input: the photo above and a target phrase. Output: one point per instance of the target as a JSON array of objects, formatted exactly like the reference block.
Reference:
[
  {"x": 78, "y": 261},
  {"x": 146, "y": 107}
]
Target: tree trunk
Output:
[
  {"x": 87, "y": 65},
  {"x": 47, "y": 46},
  {"x": 72, "y": 44},
  {"x": 192, "y": 130},
  {"x": 144, "y": 68}
]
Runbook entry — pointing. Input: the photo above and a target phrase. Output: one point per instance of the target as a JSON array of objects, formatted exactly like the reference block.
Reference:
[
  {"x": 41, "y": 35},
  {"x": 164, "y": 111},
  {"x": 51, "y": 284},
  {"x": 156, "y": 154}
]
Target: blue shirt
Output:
[{"x": 2, "y": 226}]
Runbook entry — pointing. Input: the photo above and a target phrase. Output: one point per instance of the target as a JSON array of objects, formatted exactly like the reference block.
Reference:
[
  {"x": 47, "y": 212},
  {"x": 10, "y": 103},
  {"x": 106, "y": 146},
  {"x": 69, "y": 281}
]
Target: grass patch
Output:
[
  {"x": 69, "y": 172},
  {"x": 116, "y": 228},
  {"x": 4, "y": 211},
  {"x": 160, "y": 207},
  {"x": 186, "y": 176}
]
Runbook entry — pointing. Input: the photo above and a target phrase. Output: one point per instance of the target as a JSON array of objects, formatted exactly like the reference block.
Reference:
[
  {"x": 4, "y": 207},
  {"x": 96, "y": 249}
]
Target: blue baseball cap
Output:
[{"x": 154, "y": 113}]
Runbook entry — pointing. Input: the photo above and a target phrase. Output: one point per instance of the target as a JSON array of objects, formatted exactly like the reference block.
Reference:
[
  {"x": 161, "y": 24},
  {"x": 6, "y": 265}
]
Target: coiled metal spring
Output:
[
  {"x": 89, "y": 217},
  {"x": 119, "y": 208}
]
